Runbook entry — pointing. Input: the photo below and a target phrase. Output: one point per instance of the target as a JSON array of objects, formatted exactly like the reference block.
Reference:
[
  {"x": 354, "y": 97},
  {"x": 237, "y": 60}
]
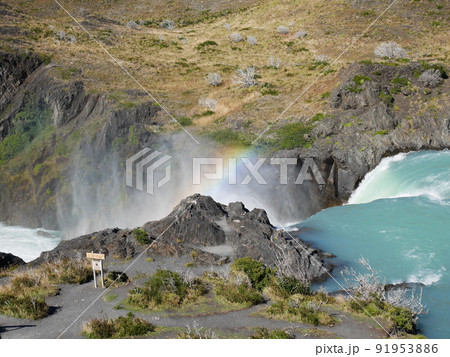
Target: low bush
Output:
[
  {"x": 235, "y": 37},
  {"x": 214, "y": 79},
  {"x": 259, "y": 274},
  {"x": 24, "y": 295},
  {"x": 205, "y": 44},
  {"x": 116, "y": 277},
  {"x": 386, "y": 98},
  {"x": 431, "y": 78},
  {"x": 121, "y": 327},
  {"x": 292, "y": 136},
  {"x": 230, "y": 137},
  {"x": 263, "y": 333},
  {"x": 184, "y": 121},
  {"x": 390, "y": 50},
  {"x": 402, "y": 320},
  {"x": 68, "y": 272},
  {"x": 246, "y": 77},
  {"x": 22, "y": 306},
  {"x": 238, "y": 292},
  {"x": 297, "y": 308},
  {"x": 288, "y": 285},
  {"x": 141, "y": 236},
  {"x": 284, "y": 30},
  {"x": 252, "y": 40},
  {"x": 165, "y": 289}
]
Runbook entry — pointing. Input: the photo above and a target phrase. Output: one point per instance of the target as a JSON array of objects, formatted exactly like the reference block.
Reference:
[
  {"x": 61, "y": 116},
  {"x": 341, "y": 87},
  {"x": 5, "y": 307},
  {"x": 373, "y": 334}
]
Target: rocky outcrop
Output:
[
  {"x": 209, "y": 233},
  {"x": 88, "y": 129},
  {"x": 377, "y": 111},
  {"x": 15, "y": 69},
  {"x": 8, "y": 260}
]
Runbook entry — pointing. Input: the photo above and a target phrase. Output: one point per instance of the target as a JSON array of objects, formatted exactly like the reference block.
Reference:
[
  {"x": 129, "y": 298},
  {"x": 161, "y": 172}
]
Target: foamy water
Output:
[
  {"x": 399, "y": 219},
  {"x": 27, "y": 243}
]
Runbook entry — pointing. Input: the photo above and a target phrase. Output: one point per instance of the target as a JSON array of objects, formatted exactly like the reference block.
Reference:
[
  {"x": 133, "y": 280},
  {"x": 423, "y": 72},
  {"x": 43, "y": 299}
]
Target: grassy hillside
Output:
[{"x": 173, "y": 64}]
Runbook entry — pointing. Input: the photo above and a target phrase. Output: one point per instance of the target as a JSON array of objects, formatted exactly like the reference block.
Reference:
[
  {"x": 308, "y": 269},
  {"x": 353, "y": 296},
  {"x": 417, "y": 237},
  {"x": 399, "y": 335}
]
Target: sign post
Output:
[{"x": 97, "y": 265}]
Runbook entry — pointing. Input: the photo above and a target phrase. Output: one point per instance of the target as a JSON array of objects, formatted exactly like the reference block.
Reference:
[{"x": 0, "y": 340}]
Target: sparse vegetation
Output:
[
  {"x": 167, "y": 24},
  {"x": 284, "y": 30},
  {"x": 121, "y": 327},
  {"x": 400, "y": 306},
  {"x": 252, "y": 40},
  {"x": 215, "y": 79},
  {"x": 24, "y": 296},
  {"x": 390, "y": 50},
  {"x": 165, "y": 290},
  {"x": 245, "y": 77},
  {"x": 235, "y": 37},
  {"x": 116, "y": 278},
  {"x": 274, "y": 62},
  {"x": 292, "y": 136},
  {"x": 141, "y": 236},
  {"x": 258, "y": 273},
  {"x": 263, "y": 333},
  {"x": 431, "y": 78},
  {"x": 301, "y": 34}
]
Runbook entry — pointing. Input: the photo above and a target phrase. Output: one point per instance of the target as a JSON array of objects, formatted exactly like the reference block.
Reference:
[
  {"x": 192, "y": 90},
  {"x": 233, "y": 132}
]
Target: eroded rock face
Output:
[
  {"x": 9, "y": 260},
  {"x": 27, "y": 83},
  {"x": 210, "y": 233},
  {"x": 369, "y": 121}
]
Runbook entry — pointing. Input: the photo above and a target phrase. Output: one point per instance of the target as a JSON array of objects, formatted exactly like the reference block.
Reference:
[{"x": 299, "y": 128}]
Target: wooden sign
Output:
[
  {"x": 95, "y": 256},
  {"x": 97, "y": 265}
]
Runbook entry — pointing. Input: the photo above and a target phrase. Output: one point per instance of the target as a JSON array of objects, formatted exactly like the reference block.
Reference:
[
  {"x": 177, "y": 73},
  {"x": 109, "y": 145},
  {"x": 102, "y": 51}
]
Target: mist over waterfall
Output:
[{"x": 101, "y": 199}]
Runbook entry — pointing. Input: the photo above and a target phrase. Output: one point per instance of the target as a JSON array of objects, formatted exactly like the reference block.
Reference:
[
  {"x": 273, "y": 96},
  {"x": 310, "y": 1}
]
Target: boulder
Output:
[{"x": 8, "y": 260}]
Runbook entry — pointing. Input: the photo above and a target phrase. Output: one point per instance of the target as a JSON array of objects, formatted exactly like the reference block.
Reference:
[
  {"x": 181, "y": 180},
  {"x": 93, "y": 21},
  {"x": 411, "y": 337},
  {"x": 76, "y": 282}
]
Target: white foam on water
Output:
[
  {"x": 395, "y": 178},
  {"x": 27, "y": 243},
  {"x": 425, "y": 277}
]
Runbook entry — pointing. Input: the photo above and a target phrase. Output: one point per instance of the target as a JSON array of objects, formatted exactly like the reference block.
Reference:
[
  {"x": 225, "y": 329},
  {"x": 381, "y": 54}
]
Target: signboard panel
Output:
[{"x": 95, "y": 256}]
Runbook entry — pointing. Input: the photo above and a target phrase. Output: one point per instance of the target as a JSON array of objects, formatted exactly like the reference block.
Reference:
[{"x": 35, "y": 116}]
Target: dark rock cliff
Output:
[
  {"x": 80, "y": 128},
  {"x": 377, "y": 111}
]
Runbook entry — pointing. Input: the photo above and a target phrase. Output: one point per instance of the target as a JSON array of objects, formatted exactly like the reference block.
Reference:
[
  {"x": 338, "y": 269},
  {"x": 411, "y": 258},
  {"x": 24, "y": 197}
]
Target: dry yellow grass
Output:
[{"x": 169, "y": 64}]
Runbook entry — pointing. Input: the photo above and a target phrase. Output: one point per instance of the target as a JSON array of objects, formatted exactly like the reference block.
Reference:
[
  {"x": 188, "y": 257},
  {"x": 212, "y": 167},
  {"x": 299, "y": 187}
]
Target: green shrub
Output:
[
  {"x": 184, "y": 121},
  {"x": 386, "y": 97},
  {"x": 263, "y": 333},
  {"x": 230, "y": 138},
  {"x": 11, "y": 145},
  {"x": 358, "y": 79},
  {"x": 121, "y": 327},
  {"x": 238, "y": 293},
  {"x": 301, "y": 311},
  {"x": 23, "y": 306},
  {"x": 116, "y": 277},
  {"x": 403, "y": 320},
  {"x": 141, "y": 236},
  {"x": 203, "y": 45},
  {"x": 259, "y": 274},
  {"x": 288, "y": 285},
  {"x": 318, "y": 117},
  {"x": 165, "y": 289},
  {"x": 291, "y": 136},
  {"x": 381, "y": 132},
  {"x": 326, "y": 95},
  {"x": 401, "y": 81}
]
